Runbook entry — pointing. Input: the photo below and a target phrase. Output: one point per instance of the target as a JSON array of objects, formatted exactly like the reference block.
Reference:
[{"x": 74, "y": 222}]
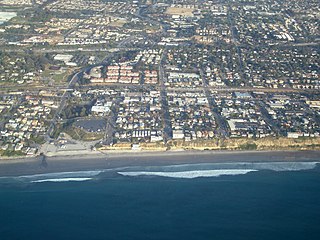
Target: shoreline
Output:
[{"x": 34, "y": 165}]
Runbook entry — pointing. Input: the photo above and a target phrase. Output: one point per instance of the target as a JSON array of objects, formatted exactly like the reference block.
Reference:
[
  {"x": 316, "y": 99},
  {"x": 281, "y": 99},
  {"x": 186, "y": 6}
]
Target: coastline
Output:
[{"x": 34, "y": 165}]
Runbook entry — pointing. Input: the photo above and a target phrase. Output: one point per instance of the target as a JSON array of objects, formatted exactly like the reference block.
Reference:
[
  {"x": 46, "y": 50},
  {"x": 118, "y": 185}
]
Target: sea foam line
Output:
[
  {"x": 190, "y": 174},
  {"x": 62, "y": 180},
  {"x": 273, "y": 166},
  {"x": 64, "y": 174}
]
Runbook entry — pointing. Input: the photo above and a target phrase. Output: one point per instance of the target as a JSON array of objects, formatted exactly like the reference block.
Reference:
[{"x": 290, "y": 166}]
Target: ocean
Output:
[{"x": 190, "y": 201}]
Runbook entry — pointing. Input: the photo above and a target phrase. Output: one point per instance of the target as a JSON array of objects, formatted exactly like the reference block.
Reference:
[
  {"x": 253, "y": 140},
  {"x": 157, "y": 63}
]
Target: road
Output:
[
  {"x": 64, "y": 98},
  {"x": 222, "y": 128},
  {"x": 35, "y": 89},
  {"x": 110, "y": 127},
  {"x": 65, "y": 50},
  {"x": 242, "y": 89},
  {"x": 236, "y": 45},
  {"x": 268, "y": 119},
  {"x": 167, "y": 128}
]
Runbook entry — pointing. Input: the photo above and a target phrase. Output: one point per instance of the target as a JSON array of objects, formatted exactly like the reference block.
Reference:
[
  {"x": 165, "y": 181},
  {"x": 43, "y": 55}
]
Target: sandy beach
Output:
[{"x": 30, "y": 166}]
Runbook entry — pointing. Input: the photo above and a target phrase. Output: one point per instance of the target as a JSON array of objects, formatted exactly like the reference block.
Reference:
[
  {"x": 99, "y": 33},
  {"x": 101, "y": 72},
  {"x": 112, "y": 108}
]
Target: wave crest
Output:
[
  {"x": 190, "y": 174},
  {"x": 59, "y": 177},
  {"x": 272, "y": 166},
  {"x": 62, "y": 180}
]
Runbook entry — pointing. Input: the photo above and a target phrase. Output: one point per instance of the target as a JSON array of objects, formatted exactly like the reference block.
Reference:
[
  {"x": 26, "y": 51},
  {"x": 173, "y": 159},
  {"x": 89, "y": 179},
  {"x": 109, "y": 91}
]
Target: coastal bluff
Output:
[{"x": 271, "y": 143}]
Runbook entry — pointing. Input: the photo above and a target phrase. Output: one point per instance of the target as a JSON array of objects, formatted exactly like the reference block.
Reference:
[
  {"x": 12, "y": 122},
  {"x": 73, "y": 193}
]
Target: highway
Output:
[
  {"x": 64, "y": 98},
  {"x": 70, "y": 50},
  {"x": 35, "y": 89}
]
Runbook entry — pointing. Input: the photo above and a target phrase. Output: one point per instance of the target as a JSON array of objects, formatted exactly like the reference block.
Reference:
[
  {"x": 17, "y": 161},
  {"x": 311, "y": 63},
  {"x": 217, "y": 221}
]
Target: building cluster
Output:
[
  {"x": 67, "y": 6},
  {"x": 124, "y": 74},
  {"x": 139, "y": 118},
  {"x": 215, "y": 31},
  {"x": 243, "y": 114},
  {"x": 149, "y": 56},
  {"x": 220, "y": 65},
  {"x": 101, "y": 107},
  {"x": 100, "y": 24},
  {"x": 151, "y": 77},
  {"x": 190, "y": 116},
  {"x": 295, "y": 115},
  {"x": 266, "y": 23},
  {"x": 128, "y": 72},
  {"x": 60, "y": 24},
  {"x": 7, "y": 102},
  {"x": 267, "y": 67},
  {"x": 95, "y": 31},
  {"x": 22, "y": 132},
  {"x": 104, "y": 101},
  {"x": 259, "y": 115},
  {"x": 67, "y": 59},
  {"x": 22, "y": 2},
  {"x": 203, "y": 21},
  {"x": 293, "y": 67},
  {"x": 183, "y": 80},
  {"x": 74, "y": 23},
  {"x": 187, "y": 70},
  {"x": 16, "y": 69},
  {"x": 214, "y": 76}
]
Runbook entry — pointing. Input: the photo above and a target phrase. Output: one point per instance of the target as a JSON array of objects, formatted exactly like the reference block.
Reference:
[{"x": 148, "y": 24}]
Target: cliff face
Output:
[
  {"x": 226, "y": 144},
  {"x": 153, "y": 146},
  {"x": 288, "y": 143},
  {"x": 117, "y": 146},
  {"x": 249, "y": 144}
]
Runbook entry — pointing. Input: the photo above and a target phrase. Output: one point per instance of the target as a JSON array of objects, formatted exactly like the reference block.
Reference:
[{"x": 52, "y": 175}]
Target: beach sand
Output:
[{"x": 30, "y": 166}]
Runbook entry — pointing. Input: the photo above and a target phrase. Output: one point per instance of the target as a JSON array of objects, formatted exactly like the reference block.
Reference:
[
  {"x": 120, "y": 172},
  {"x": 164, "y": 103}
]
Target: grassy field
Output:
[
  {"x": 58, "y": 76},
  {"x": 82, "y": 135}
]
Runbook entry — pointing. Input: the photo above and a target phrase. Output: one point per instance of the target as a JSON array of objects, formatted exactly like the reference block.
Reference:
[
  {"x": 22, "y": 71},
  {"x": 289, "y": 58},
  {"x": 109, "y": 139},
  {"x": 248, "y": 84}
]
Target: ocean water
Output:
[{"x": 194, "y": 201}]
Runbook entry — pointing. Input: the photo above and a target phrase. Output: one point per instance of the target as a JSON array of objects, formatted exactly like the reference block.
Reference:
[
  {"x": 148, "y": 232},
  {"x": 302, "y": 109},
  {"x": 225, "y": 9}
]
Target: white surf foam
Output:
[
  {"x": 65, "y": 174},
  {"x": 62, "y": 180},
  {"x": 60, "y": 176},
  {"x": 285, "y": 166},
  {"x": 272, "y": 166},
  {"x": 190, "y": 174}
]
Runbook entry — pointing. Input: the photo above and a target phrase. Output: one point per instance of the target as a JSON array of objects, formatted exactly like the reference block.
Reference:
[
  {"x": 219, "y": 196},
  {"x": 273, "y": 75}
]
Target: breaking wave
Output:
[
  {"x": 65, "y": 174},
  {"x": 54, "y": 177},
  {"x": 273, "y": 166},
  {"x": 214, "y": 169},
  {"x": 194, "y": 170},
  {"x": 62, "y": 180},
  {"x": 190, "y": 174}
]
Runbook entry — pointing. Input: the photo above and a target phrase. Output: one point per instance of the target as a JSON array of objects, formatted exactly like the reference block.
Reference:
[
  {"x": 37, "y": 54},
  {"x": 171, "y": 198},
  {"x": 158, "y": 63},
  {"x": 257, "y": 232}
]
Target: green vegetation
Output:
[
  {"x": 248, "y": 146},
  {"x": 58, "y": 129},
  {"x": 75, "y": 133},
  {"x": 11, "y": 153},
  {"x": 72, "y": 111},
  {"x": 27, "y": 62},
  {"x": 59, "y": 76},
  {"x": 37, "y": 139},
  {"x": 24, "y": 67},
  {"x": 79, "y": 134}
]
